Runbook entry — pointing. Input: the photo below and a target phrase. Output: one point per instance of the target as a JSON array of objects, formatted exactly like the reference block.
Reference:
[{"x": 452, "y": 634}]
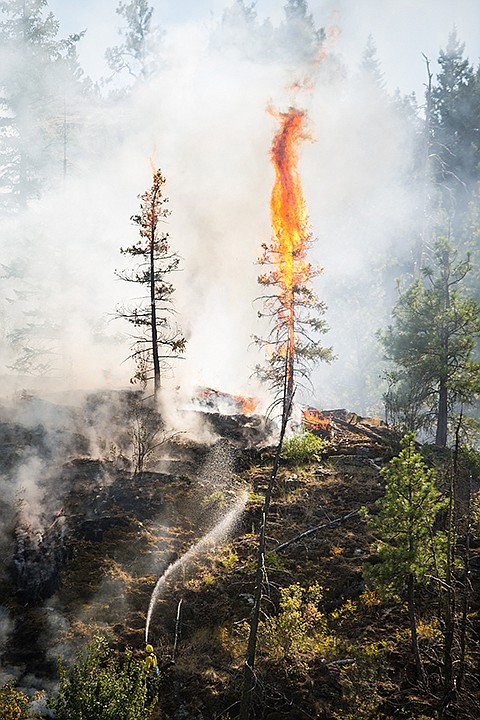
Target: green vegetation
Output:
[
  {"x": 298, "y": 631},
  {"x": 409, "y": 548},
  {"x": 431, "y": 343},
  {"x": 13, "y": 704},
  {"x": 304, "y": 448},
  {"x": 99, "y": 686}
]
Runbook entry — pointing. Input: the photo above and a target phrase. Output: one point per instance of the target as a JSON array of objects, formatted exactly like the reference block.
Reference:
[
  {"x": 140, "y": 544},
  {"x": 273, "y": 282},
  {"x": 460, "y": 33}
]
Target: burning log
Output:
[
  {"x": 349, "y": 430},
  {"x": 215, "y": 400},
  {"x": 318, "y": 421}
]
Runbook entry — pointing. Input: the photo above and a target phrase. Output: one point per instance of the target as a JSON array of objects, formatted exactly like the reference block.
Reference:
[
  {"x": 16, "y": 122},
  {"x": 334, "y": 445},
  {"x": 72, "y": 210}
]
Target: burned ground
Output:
[{"x": 108, "y": 533}]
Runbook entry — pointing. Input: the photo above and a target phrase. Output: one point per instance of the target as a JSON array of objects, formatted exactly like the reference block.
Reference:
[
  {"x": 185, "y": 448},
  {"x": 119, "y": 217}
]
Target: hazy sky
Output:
[{"x": 402, "y": 29}]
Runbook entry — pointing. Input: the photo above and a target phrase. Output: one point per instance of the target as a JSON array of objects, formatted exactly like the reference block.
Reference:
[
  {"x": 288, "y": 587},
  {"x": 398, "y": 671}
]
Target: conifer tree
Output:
[
  {"x": 135, "y": 55},
  {"x": 298, "y": 33},
  {"x": 35, "y": 71},
  {"x": 293, "y": 345},
  {"x": 455, "y": 113},
  {"x": 431, "y": 343},
  {"x": 158, "y": 339},
  {"x": 370, "y": 66},
  {"x": 407, "y": 544}
]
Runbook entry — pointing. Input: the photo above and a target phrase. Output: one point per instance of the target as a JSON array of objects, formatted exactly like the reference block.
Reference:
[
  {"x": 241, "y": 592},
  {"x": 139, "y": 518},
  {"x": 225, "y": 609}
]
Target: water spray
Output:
[{"x": 215, "y": 535}]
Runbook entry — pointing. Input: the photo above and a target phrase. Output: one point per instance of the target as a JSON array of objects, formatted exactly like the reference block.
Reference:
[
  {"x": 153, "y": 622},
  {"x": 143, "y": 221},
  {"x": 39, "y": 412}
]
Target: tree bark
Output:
[
  {"x": 413, "y": 630},
  {"x": 466, "y": 570},
  {"x": 153, "y": 318},
  {"x": 249, "y": 664},
  {"x": 448, "y": 682},
  {"x": 441, "y": 434}
]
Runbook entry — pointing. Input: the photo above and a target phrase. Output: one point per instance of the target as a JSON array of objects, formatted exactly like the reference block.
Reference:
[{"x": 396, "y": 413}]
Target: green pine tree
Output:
[
  {"x": 409, "y": 548},
  {"x": 431, "y": 344},
  {"x": 455, "y": 114}
]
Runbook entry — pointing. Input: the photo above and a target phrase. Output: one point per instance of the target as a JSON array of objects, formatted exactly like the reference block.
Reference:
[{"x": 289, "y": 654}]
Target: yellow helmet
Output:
[{"x": 149, "y": 649}]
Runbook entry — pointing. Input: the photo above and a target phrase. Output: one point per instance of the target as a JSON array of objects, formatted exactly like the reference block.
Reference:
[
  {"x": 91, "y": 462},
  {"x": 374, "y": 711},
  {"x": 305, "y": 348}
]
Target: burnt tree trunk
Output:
[
  {"x": 448, "y": 679},
  {"x": 249, "y": 663},
  {"x": 153, "y": 308}
]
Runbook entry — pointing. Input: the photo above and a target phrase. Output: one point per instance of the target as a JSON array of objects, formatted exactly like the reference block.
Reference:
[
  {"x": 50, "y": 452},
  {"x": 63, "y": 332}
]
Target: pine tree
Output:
[
  {"x": 431, "y": 344},
  {"x": 158, "y": 340},
  {"x": 408, "y": 547},
  {"x": 36, "y": 70},
  {"x": 293, "y": 344},
  {"x": 136, "y": 54},
  {"x": 370, "y": 66},
  {"x": 298, "y": 35},
  {"x": 455, "y": 117}
]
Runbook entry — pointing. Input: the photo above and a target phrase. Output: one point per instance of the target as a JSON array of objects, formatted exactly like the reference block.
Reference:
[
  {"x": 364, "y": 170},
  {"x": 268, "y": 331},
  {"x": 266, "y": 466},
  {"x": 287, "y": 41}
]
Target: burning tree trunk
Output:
[
  {"x": 292, "y": 301},
  {"x": 291, "y": 346}
]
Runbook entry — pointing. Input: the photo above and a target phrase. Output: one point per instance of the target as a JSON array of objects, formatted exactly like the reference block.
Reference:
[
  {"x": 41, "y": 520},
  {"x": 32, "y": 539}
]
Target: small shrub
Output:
[
  {"x": 99, "y": 686},
  {"x": 298, "y": 632},
  {"x": 304, "y": 448},
  {"x": 345, "y": 612},
  {"x": 370, "y": 598},
  {"x": 363, "y": 682},
  {"x": 13, "y": 704}
]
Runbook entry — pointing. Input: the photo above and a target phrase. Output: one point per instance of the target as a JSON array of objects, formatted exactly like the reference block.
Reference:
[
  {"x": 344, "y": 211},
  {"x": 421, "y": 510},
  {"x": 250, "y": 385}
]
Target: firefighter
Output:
[{"x": 151, "y": 664}]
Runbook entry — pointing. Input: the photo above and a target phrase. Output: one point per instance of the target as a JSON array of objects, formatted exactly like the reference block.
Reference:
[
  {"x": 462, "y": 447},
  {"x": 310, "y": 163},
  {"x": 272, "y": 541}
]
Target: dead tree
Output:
[{"x": 157, "y": 338}]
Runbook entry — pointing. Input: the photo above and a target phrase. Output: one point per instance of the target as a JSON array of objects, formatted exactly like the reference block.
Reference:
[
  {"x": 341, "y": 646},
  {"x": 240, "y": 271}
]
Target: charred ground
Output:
[{"x": 101, "y": 535}]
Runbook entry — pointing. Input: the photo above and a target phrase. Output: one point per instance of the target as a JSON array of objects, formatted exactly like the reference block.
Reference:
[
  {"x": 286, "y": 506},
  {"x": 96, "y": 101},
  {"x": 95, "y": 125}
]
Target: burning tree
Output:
[
  {"x": 291, "y": 303},
  {"x": 291, "y": 345},
  {"x": 158, "y": 339}
]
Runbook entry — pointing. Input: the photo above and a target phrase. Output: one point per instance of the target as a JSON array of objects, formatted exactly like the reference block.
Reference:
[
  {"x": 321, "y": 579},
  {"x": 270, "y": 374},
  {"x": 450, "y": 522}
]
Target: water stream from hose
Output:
[{"x": 213, "y": 537}]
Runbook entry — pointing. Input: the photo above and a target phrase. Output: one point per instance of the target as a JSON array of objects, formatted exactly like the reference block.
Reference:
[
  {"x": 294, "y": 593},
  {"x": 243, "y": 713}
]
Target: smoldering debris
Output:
[{"x": 61, "y": 506}]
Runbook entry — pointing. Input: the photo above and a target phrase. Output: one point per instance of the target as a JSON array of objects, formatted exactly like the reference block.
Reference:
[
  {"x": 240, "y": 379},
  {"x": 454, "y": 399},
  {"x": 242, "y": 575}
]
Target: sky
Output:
[{"x": 403, "y": 30}]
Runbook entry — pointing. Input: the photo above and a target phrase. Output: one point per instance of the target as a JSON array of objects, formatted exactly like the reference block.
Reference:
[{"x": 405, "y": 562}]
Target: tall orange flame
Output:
[{"x": 291, "y": 231}]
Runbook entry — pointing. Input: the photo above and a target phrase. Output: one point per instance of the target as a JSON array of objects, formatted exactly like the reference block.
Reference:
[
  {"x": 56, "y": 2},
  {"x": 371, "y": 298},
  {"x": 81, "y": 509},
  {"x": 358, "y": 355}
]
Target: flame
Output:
[
  {"x": 316, "y": 420},
  {"x": 246, "y": 405},
  {"x": 287, "y": 205},
  {"x": 292, "y": 234}
]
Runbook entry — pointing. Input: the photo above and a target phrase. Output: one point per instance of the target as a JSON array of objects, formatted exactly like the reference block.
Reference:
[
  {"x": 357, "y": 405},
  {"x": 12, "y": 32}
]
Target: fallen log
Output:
[
  {"x": 314, "y": 530},
  {"x": 359, "y": 429}
]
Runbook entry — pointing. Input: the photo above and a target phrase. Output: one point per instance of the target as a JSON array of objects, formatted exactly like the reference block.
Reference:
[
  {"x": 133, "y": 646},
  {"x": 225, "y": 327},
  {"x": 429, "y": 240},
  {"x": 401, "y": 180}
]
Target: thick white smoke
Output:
[{"x": 202, "y": 118}]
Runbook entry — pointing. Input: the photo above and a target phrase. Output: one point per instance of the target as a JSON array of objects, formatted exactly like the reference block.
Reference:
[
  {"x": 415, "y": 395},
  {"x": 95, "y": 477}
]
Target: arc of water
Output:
[{"x": 216, "y": 534}]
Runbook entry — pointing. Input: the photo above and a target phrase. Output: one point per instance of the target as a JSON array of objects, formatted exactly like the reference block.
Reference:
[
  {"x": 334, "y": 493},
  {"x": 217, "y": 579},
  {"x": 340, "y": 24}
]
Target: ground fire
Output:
[
  {"x": 219, "y": 401},
  {"x": 318, "y": 421}
]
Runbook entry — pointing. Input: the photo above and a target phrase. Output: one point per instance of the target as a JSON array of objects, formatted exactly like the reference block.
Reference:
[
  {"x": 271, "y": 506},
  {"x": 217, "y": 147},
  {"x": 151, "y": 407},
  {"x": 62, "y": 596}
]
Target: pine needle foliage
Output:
[
  {"x": 406, "y": 540},
  {"x": 431, "y": 345}
]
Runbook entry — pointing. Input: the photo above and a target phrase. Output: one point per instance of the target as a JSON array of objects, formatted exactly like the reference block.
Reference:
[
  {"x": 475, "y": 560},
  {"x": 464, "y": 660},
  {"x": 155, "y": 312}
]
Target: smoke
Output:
[{"x": 203, "y": 119}]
